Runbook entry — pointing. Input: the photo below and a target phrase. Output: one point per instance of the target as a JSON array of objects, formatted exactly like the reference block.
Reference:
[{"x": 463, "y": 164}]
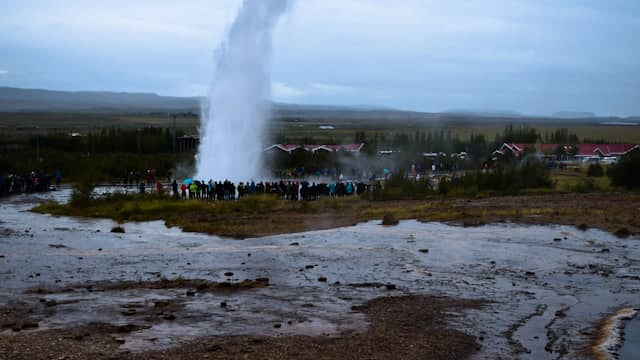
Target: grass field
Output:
[
  {"x": 266, "y": 215},
  {"x": 299, "y": 128}
]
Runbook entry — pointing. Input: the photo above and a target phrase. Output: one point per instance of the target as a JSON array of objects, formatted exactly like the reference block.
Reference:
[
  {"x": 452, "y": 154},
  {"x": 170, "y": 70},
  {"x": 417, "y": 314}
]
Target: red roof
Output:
[
  {"x": 605, "y": 149},
  {"x": 583, "y": 149},
  {"x": 313, "y": 148}
]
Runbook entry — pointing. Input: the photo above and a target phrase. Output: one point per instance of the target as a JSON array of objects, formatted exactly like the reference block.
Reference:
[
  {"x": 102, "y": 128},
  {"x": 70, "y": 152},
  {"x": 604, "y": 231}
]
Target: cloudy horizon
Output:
[{"x": 534, "y": 57}]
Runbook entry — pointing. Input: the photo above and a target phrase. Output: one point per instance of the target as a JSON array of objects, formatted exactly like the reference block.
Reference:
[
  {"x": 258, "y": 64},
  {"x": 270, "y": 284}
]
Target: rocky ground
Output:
[
  {"x": 71, "y": 288},
  {"x": 408, "y": 327}
]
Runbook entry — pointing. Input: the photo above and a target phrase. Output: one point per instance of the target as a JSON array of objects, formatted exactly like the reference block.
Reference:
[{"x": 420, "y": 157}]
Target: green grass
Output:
[{"x": 577, "y": 181}]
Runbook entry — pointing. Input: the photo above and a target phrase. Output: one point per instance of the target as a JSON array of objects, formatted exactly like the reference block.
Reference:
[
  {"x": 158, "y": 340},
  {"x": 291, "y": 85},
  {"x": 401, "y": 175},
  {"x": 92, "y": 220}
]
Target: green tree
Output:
[{"x": 626, "y": 172}]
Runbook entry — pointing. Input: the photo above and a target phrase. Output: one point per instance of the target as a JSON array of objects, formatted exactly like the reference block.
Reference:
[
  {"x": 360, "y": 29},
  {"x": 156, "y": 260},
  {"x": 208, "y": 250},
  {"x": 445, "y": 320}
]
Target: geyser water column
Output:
[{"x": 233, "y": 119}]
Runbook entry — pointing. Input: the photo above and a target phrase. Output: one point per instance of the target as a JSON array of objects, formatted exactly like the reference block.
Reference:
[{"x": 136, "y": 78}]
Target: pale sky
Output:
[{"x": 531, "y": 56}]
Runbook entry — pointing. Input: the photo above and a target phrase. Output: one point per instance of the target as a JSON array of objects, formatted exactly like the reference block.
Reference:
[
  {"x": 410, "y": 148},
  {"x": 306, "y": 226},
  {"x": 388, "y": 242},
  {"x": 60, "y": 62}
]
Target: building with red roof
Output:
[
  {"x": 576, "y": 151},
  {"x": 288, "y": 148}
]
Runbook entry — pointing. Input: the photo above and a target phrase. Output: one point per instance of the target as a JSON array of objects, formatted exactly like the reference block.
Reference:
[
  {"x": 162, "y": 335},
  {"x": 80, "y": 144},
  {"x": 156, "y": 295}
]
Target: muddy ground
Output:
[
  {"x": 613, "y": 212},
  {"x": 409, "y": 327},
  {"x": 71, "y": 288}
]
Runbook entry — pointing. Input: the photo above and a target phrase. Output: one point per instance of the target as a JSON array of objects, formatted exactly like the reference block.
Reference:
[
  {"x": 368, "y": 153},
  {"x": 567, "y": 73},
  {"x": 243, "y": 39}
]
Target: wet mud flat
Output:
[{"x": 69, "y": 287}]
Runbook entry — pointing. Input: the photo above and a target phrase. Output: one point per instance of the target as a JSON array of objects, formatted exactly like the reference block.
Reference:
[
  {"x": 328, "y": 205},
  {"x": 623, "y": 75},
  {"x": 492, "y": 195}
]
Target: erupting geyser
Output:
[{"x": 231, "y": 130}]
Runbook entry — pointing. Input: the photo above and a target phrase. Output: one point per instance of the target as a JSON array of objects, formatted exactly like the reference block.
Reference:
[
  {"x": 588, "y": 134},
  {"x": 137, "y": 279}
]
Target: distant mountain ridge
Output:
[
  {"x": 573, "y": 115},
  {"x": 36, "y": 100}
]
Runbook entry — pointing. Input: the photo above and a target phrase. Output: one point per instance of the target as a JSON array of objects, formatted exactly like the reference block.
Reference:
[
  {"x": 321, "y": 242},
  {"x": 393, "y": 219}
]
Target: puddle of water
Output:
[
  {"x": 542, "y": 293},
  {"x": 631, "y": 348}
]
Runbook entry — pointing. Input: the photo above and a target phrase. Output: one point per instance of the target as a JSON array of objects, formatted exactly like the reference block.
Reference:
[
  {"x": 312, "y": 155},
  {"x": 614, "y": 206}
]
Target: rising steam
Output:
[{"x": 233, "y": 119}]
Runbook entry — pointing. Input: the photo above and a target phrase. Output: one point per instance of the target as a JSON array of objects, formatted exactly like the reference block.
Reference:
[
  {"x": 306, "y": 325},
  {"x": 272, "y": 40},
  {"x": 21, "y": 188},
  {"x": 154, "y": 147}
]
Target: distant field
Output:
[
  {"x": 345, "y": 131},
  {"x": 299, "y": 128}
]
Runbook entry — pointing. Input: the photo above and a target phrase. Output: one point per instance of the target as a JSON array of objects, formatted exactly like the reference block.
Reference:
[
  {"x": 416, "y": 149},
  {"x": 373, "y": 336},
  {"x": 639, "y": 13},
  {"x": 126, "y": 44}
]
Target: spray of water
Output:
[{"x": 233, "y": 118}]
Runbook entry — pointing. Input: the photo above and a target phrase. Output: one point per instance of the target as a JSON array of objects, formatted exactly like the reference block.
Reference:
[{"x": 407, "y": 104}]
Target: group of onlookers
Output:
[
  {"x": 27, "y": 183},
  {"x": 286, "y": 190}
]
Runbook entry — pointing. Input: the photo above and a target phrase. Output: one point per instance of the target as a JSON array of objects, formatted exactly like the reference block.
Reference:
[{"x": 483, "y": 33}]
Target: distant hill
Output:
[
  {"x": 573, "y": 115},
  {"x": 35, "y": 100},
  {"x": 485, "y": 112},
  {"x": 104, "y": 102}
]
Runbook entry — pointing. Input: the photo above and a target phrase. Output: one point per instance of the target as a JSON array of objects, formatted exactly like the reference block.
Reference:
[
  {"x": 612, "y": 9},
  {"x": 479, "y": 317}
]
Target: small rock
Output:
[
  {"x": 557, "y": 239},
  {"x": 191, "y": 293},
  {"x": 126, "y": 328},
  {"x": 622, "y": 232},
  {"x": 214, "y": 348},
  {"x": 605, "y": 250},
  {"x": 309, "y": 267},
  {"x": 228, "y": 273},
  {"x": 99, "y": 249},
  {"x": 423, "y": 250},
  {"x": 169, "y": 317},
  {"x": 472, "y": 223},
  {"x": 119, "y": 340},
  {"x": 322, "y": 279},
  {"x": 492, "y": 262},
  {"x": 389, "y": 220},
  {"x": 294, "y": 244},
  {"x": 129, "y": 312},
  {"x": 530, "y": 273},
  {"x": 117, "y": 229},
  {"x": 277, "y": 326},
  {"x": 161, "y": 303},
  {"x": 390, "y": 286},
  {"x": 223, "y": 304},
  {"x": 264, "y": 280}
]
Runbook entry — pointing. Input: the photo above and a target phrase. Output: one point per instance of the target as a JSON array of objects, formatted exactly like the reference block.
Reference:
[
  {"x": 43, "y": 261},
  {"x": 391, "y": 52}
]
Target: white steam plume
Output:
[{"x": 233, "y": 120}]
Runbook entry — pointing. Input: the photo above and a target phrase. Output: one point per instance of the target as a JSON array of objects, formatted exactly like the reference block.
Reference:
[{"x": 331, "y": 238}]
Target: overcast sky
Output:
[{"x": 532, "y": 56}]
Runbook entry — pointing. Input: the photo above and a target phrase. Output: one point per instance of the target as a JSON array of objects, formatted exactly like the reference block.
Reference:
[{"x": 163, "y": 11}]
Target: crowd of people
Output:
[
  {"x": 134, "y": 177},
  {"x": 28, "y": 183},
  {"x": 286, "y": 190}
]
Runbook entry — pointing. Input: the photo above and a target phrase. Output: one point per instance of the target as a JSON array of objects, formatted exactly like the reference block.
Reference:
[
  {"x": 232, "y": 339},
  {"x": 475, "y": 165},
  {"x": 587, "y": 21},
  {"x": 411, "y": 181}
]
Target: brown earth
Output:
[
  {"x": 408, "y": 327},
  {"x": 613, "y": 212},
  {"x": 261, "y": 216}
]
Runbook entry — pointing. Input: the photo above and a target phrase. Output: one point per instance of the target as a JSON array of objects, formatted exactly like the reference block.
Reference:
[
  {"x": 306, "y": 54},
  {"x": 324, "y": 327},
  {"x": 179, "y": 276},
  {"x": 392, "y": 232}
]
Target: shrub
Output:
[
  {"x": 626, "y": 172},
  {"x": 595, "y": 170},
  {"x": 397, "y": 187},
  {"x": 503, "y": 179},
  {"x": 585, "y": 186},
  {"x": 82, "y": 194}
]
